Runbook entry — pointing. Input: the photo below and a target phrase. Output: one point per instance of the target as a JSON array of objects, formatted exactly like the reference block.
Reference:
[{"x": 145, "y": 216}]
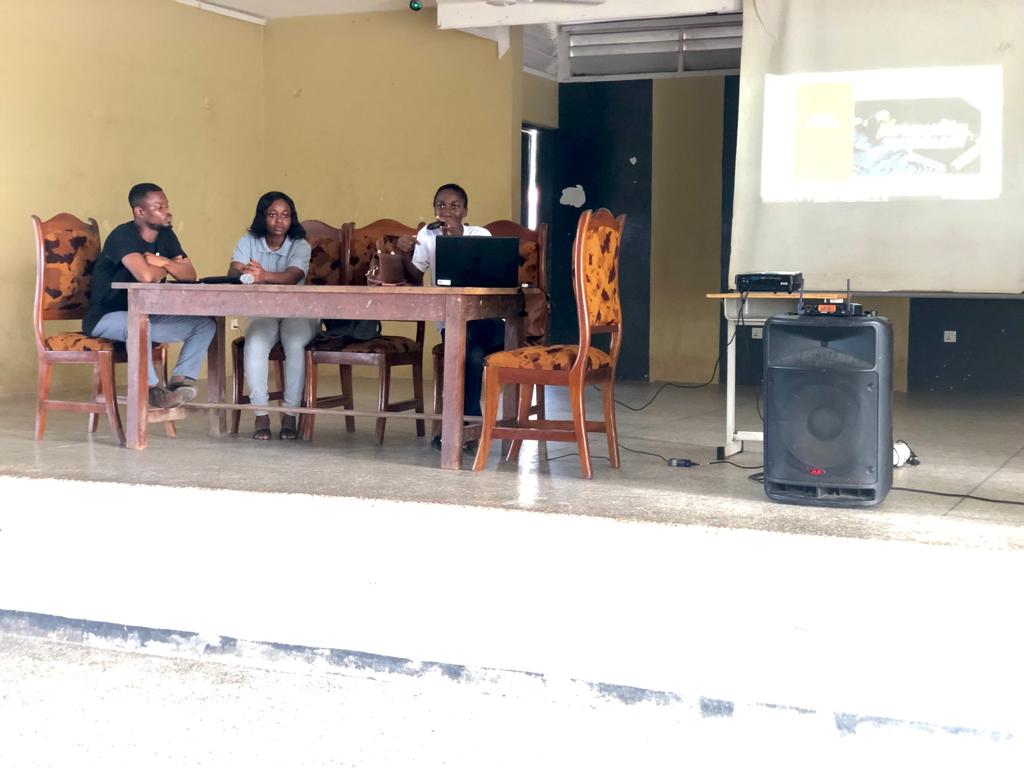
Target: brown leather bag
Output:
[
  {"x": 535, "y": 324},
  {"x": 386, "y": 267}
]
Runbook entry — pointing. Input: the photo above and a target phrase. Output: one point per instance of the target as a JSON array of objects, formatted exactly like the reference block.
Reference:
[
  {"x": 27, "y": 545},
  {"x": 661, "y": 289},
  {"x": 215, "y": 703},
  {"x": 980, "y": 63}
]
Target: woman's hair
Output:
[{"x": 258, "y": 228}]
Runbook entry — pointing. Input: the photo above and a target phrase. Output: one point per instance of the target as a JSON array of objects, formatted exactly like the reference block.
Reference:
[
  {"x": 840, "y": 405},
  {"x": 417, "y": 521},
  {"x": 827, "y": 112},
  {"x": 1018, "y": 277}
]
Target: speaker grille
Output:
[{"x": 823, "y": 427}]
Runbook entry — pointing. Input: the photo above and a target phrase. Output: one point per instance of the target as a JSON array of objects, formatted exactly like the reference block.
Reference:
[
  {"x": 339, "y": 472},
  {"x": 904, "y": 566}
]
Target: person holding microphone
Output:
[{"x": 451, "y": 204}]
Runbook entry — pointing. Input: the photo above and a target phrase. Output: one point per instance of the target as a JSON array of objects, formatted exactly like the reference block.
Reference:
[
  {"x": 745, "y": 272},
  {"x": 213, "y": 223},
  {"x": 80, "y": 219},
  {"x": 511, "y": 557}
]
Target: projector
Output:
[{"x": 769, "y": 282}]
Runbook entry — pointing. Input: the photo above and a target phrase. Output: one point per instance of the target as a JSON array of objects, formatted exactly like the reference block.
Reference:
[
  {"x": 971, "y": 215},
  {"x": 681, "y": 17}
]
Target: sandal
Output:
[
  {"x": 262, "y": 428},
  {"x": 287, "y": 428}
]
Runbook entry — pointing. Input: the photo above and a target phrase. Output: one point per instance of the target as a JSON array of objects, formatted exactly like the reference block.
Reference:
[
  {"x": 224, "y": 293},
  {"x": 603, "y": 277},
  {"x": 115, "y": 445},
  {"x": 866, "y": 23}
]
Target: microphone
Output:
[{"x": 435, "y": 225}]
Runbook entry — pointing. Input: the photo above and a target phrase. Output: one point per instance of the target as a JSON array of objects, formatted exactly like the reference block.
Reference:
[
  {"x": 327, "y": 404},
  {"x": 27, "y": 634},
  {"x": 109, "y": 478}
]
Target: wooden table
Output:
[{"x": 452, "y": 306}]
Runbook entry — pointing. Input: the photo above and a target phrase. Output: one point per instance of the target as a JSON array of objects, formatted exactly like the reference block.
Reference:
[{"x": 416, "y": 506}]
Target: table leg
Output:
[
  {"x": 216, "y": 379},
  {"x": 138, "y": 380},
  {"x": 454, "y": 382},
  {"x": 732, "y": 445}
]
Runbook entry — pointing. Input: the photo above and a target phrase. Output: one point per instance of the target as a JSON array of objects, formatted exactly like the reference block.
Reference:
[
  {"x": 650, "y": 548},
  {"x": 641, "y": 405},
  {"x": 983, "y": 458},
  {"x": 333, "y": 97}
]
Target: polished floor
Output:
[{"x": 969, "y": 445}]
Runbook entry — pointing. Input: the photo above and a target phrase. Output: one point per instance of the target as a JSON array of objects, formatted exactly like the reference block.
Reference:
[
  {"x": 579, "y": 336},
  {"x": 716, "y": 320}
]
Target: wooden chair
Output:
[
  {"x": 533, "y": 271},
  {"x": 327, "y": 248},
  {"x": 383, "y": 352},
  {"x": 66, "y": 253},
  {"x": 595, "y": 261}
]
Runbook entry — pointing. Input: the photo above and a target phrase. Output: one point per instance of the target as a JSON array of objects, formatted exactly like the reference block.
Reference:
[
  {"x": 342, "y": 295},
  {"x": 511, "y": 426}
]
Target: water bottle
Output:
[{"x": 246, "y": 279}]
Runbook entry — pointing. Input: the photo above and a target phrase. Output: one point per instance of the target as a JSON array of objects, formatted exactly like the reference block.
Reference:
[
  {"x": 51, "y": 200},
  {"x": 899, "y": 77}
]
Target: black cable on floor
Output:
[
  {"x": 738, "y": 466},
  {"x": 662, "y": 387},
  {"x": 714, "y": 371},
  {"x": 623, "y": 447},
  {"x": 959, "y": 496}
]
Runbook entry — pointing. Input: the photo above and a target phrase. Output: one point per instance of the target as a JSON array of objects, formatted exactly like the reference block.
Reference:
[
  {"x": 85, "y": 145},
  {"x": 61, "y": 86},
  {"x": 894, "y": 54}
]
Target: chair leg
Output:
[
  {"x": 492, "y": 393},
  {"x": 105, "y": 369},
  {"x": 307, "y": 422},
  {"x": 42, "y": 393},
  {"x": 579, "y": 422},
  {"x": 97, "y": 393},
  {"x": 608, "y": 396},
  {"x": 438, "y": 393},
  {"x": 237, "y": 386},
  {"x": 542, "y": 446},
  {"x": 382, "y": 402},
  {"x": 345, "y": 374},
  {"x": 417, "y": 393},
  {"x": 522, "y": 420}
]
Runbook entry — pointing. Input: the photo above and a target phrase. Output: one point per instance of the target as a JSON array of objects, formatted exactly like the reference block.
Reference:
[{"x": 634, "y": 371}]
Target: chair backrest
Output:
[
  {"x": 533, "y": 245},
  {"x": 327, "y": 250},
  {"x": 66, "y": 252},
  {"x": 533, "y": 249},
  {"x": 595, "y": 266},
  {"x": 362, "y": 246}
]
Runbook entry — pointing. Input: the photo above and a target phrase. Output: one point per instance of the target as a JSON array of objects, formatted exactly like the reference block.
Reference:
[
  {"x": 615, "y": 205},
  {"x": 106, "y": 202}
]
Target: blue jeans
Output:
[
  {"x": 195, "y": 332},
  {"x": 261, "y": 334}
]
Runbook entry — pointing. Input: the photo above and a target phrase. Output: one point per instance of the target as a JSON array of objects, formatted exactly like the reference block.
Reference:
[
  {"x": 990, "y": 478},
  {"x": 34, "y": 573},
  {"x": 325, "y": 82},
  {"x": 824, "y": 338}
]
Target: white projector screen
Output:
[{"x": 882, "y": 143}]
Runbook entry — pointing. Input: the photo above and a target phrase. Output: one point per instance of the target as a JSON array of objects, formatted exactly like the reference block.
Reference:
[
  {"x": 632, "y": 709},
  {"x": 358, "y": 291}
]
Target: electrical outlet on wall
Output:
[{"x": 949, "y": 337}]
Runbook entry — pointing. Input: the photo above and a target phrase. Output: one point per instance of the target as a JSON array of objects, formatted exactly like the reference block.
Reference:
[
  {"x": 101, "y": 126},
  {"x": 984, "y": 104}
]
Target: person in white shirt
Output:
[
  {"x": 275, "y": 252},
  {"x": 451, "y": 204}
]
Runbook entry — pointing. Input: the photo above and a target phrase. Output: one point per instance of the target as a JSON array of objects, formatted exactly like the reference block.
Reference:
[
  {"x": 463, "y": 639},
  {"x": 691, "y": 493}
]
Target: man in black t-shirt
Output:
[{"x": 146, "y": 250}]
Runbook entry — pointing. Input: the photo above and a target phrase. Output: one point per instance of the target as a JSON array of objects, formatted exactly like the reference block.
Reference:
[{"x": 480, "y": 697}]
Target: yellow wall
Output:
[
  {"x": 102, "y": 94},
  {"x": 686, "y": 214},
  {"x": 367, "y": 114},
  {"x": 540, "y": 101},
  {"x": 357, "y": 116}
]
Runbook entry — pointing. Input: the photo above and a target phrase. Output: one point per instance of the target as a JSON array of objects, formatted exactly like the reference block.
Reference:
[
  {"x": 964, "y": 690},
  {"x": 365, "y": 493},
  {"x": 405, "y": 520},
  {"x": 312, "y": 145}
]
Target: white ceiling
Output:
[
  {"x": 542, "y": 20},
  {"x": 280, "y": 9},
  {"x": 454, "y": 14}
]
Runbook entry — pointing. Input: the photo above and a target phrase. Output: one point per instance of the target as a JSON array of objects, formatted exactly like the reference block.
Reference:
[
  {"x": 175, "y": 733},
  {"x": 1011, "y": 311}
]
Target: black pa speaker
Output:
[{"x": 828, "y": 410}]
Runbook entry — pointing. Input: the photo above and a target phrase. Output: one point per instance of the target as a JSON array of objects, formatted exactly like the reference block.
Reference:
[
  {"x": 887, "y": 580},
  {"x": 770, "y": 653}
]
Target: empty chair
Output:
[
  {"x": 382, "y": 352},
  {"x": 595, "y": 262}
]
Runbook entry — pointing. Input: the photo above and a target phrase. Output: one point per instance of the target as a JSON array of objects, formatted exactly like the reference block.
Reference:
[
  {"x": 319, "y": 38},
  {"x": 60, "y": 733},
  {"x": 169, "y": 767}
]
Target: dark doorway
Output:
[
  {"x": 538, "y": 176},
  {"x": 604, "y": 146}
]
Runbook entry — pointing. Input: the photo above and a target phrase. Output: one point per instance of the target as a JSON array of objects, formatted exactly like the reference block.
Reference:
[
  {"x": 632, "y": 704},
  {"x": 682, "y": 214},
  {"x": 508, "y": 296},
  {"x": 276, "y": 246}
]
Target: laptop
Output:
[{"x": 477, "y": 262}]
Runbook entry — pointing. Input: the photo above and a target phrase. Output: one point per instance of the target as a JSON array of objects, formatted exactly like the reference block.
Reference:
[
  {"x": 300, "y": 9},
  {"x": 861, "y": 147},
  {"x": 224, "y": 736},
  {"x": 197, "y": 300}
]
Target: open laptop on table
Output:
[{"x": 477, "y": 262}]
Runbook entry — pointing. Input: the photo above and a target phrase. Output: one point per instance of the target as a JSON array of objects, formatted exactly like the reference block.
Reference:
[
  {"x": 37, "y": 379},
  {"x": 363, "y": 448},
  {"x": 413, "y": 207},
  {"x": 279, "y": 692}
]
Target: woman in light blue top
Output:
[{"x": 275, "y": 251}]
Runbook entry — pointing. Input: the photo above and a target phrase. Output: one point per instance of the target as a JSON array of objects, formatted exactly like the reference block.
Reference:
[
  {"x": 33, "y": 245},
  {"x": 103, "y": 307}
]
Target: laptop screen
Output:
[{"x": 477, "y": 262}]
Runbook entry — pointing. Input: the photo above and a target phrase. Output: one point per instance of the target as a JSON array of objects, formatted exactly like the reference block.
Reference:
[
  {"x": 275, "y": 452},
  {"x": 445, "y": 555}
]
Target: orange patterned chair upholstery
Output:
[
  {"x": 533, "y": 271},
  {"x": 595, "y": 263},
  {"x": 327, "y": 246},
  {"x": 66, "y": 253},
  {"x": 383, "y": 352}
]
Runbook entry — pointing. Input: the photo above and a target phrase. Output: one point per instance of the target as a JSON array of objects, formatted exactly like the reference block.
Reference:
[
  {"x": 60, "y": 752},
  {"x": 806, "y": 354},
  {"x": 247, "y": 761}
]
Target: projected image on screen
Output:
[{"x": 883, "y": 134}]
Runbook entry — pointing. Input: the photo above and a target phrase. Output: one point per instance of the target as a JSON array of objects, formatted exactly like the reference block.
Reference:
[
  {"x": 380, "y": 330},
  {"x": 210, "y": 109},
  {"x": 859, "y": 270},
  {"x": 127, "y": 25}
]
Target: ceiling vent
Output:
[{"x": 673, "y": 47}]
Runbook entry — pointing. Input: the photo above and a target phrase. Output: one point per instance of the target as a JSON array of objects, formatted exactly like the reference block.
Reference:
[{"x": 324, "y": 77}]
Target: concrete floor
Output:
[
  {"x": 968, "y": 445},
  {"x": 685, "y": 585}
]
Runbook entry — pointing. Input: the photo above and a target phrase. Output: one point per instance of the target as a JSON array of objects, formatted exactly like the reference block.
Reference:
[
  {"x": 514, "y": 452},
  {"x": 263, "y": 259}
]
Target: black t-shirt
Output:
[{"x": 109, "y": 269}]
